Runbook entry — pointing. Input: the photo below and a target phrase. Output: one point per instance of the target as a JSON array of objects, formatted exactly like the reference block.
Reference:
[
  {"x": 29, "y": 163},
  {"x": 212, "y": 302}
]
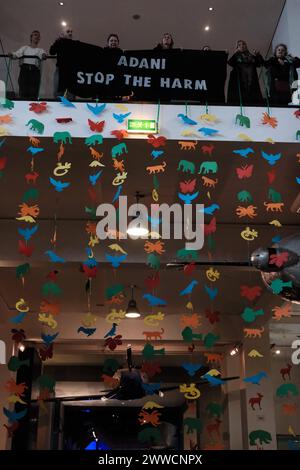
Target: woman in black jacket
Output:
[
  {"x": 281, "y": 73},
  {"x": 243, "y": 82}
]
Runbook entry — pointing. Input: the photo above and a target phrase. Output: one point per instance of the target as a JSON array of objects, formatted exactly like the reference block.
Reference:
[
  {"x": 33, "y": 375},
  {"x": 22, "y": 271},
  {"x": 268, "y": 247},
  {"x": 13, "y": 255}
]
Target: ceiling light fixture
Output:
[
  {"x": 63, "y": 23},
  {"x": 207, "y": 28},
  {"x": 210, "y": 8},
  {"x": 61, "y": 4},
  {"x": 277, "y": 351},
  {"x": 235, "y": 350},
  {"x": 138, "y": 227},
  {"x": 21, "y": 347},
  {"x": 132, "y": 309}
]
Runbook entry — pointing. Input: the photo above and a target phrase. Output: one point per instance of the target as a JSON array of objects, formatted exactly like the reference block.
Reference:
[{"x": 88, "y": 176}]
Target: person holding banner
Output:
[
  {"x": 243, "y": 85},
  {"x": 112, "y": 42},
  {"x": 57, "y": 49},
  {"x": 166, "y": 43}
]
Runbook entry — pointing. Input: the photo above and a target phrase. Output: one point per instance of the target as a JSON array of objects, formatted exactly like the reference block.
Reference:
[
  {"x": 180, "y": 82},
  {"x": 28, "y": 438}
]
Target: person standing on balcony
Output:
[
  {"x": 60, "y": 86},
  {"x": 112, "y": 42},
  {"x": 166, "y": 43},
  {"x": 30, "y": 68},
  {"x": 281, "y": 73},
  {"x": 243, "y": 82}
]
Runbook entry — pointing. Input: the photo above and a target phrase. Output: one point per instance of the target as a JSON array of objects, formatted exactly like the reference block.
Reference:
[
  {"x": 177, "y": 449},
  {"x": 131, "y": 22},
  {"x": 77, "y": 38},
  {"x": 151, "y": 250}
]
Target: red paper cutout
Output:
[
  {"x": 50, "y": 308},
  {"x": 244, "y": 172},
  {"x": 279, "y": 259},
  {"x": 24, "y": 249},
  {"x": 15, "y": 389},
  {"x": 96, "y": 126},
  {"x": 52, "y": 275},
  {"x": 38, "y": 108},
  {"x": 112, "y": 343},
  {"x": 289, "y": 408},
  {"x": 149, "y": 418},
  {"x": 3, "y": 161},
  {"x": 250, "y": 293},
  {"x": 152, "y": 281},
  {"x": 120, "y": 134},
  {"x": 156, "y": 141},
  {"x": 271, "y": 175},
  {"x": 188, "y": 186},
  {"x": 46, "y": 352},
  {"x": 256, "y": 401},
  {"x": 89, "y": 272},
  {"x": 286, "y": 371},
  {"x": 190, "y": 320},
  {"x": 207, "y": 149},
  {"x": 151, "y": 368},
  {"x": 92, "y": 194},
  {"x": 189, "y": 268},
  {"x": 211, "y": 227},
  {"x": 214, "y": 428},
  {"x": 64, "y": 120},
  {"x": 212, "y": 316},
  {"x": 31, "y": 177}
]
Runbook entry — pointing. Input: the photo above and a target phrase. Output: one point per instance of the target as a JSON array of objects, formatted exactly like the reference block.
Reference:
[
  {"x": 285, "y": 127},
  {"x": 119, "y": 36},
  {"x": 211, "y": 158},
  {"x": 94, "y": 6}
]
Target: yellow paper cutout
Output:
[
  {"x": 291, "y": 431},
  {"x": 254, "y": 353},
  {"x": 189, "y": 306},
  {"x": 154, "y": 319},
  {"x": 16, "y": 399},
  {"x": 249, "y": 234},
  {"x": 95, "y": 163},
  {"x": 115, "y": 316},
  {"x": 94, "y": 240},
  {"x": 154, "y": 235},
  {"x": 275, "y": 222},
  {"x": 62, "y": 169},
  {"x": 21, "y": 306},
  {"x": 48, "y": 320},
  {"x": 154, "y": 195},
  {"x": 149, "y": 405},
  {"x": 89, "y": 320},
  {"x": 245, "y": 137},
  {"x": 191, "y": 392},
  {"x": 121, "y": 107},
  {"x": 212, "y": 274},
  {"x": 189, "y": 133},
  {"x": 27, "y": 219},
  {"x": 213, "y": 372},
  {"x": 270, "y": 140},
  {"x": 119, "y": 179},
  {"x": 116, "y": 247},
  {"x": 208, "y": 118},
  {"x": 3, "y": 131}
]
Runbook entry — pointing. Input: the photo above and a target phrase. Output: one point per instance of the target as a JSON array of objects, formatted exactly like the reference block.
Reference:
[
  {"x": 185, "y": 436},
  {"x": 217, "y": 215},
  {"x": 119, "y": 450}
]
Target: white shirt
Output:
[{"x": 28, "y": 50}]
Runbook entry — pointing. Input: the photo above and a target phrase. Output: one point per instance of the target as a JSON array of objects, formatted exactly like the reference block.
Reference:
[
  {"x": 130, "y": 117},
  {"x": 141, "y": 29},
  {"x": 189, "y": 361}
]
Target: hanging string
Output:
[
  {"x": 206, "y": 108},
  {"x": 158, "y": 113},
  {"x": 267, "y": 94},
  {"x": 186, "y": 108},
  {"x": 240, "y": 94}
]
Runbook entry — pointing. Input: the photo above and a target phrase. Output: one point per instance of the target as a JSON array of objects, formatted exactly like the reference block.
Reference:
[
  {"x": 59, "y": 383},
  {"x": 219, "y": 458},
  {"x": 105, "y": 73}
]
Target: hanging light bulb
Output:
[{"x": 132, "y": 309}]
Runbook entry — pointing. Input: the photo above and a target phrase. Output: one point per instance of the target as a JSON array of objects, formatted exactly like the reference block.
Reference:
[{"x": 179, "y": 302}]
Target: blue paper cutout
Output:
[
  {"x": 115, "y": 260},
  {"x": 255, "y": 379},
  {"x": 186, "y": 120},
  {"x": 94, "y": 178},
  {"x": 59, "y": 186},
  {"x": 66, "y": 102},
  {"x": 189, "y": 288},
  {"x": 212, "y": 293},
  {"x": 206, "y": 131},
  {"x": 188, "y": 198},
  {"x": 34, "y": 150},
  {"x": 271, "y": 159},
  {"x": 97, "y": 109},
  {"x": 54, "y": 257},
  {"x": 244, "y": 152},
  {"x": 154, "y": 301},
  {"x": 27, "y": 233},
  {"x": 120, "y": 118}
]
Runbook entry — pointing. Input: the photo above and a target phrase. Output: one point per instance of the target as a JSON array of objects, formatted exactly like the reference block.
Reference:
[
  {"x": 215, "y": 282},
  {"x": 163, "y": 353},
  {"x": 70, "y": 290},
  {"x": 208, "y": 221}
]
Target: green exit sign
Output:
[{"x": 148, "y": 126}]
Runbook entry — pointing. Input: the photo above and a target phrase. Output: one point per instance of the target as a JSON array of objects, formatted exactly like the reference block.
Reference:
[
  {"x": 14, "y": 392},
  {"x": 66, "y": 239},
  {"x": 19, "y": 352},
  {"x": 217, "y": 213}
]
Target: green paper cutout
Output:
[
  {"x": 187, "y": 255},
  {"x": 113, "y": 290},
  {"x": 22, "y": 270},
  {"x": 150, "y": 435},
  {"x": 274, "y": 196},
  {"x": 110, "y": 366},
  {"x": 8, "y": 104},
  {"x": 249, "y": 315},
  {"x": 284, "y": 390},
  {"x": 188, "y": 335},
  {"x": 186, "y": 167},
  {"x": 214, "y": 409},
  {"x": 278, "y": 285},
  {"x": 244, "y": 196},
  {"x": 46, "y": 382},
  {"x": 210, "y": 339},
  {"x": 193, "y": 424},
  {"x": 51, "y": 288},
  {"x": 36, "y": 126},
  {"x": 91, "y": 211},
  {"x": 62, "y": 137},
  {"x": 243, "y": 121},
  {"x": 94, "y": 139},
  {"x": 153, "y": 261},
  {"x": 149, "y": 352},
  {"x": 155, "y": 182},
  {"x": 264, "y": 437},
  {"x": 30, "y": 195},
  {"x": 15, "y": 363},
  {"x": 118, "y": 150}
]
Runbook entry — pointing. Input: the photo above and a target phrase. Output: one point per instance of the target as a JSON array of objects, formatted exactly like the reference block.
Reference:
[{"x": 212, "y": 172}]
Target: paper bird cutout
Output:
[
  {"x": 244, "y": 152},
  {"x": 188, "y": 198},
  {"x": 66, "y": 102},
  {"x": 27, "y": 233},
  {"x": 54, "y": 257},
  {"x": 191, "y": 368},
  {"x": 210, "y": 210},
  {"x": 154, "y": 301},
  {"x": 34, "y": 150},
  {"x": 212, "y": 293},
  {"x": 186, "y": 120},
  {"x": 18, "y": 318},
  {"x": 13, "y": 415},
  {"x": 213, "y": 381},
  {"x": 271, "y": 159},
  {"x": 120, "y": 118},
  {"x": 255, "y": 379},
  {"x": 59, "y": 186},
  {"x": 115, "y": 260},
  {"x": 120, "y": 133},
  {"x": 94, "y": 178},
  {"x": 208, "y": 132},
  {"x": 112, "y": 331},
  {"x": 86, "y": 331},
  {"x": 188, "y": 290},
  {"x": 97, "y": 109},
  {"x": 48, "y": 339}
]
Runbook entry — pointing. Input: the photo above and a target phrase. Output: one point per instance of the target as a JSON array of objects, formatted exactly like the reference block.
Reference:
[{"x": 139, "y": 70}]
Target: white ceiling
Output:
[{"x": 92, "y": 21}]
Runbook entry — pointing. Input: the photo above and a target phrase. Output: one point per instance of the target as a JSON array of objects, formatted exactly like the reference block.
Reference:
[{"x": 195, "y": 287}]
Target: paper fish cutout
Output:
[
  {"x": 186, "y": 120},
  {"x": 189, "y": 289},
  {"x": 277, "y": 285},
  {"x": 191, "y": 368},
  {"x": 249, "y": 234},
  {"x": 149, "y": 352},
  {"x": 154, "y": 319},
  {"x": 255, "y": 379},
  {"x": 35, "y": 150},
  {"x": 285, "y": 389},
  {"x": 156, "y": 141},
  {"x": 245, "y": 171},
  {"x": 120, "y": 118},
  {"x": 191, "y": 392},
  {"x": 249, "y": 315},
  {"x": 59, "y": 186},
  {"x": 115, "y": 260},
  {"x": 120, "y": 133},
  {"x": 13, "y": 415},
  {"x": 154, "y": 301},
  {"x": 97, "y": 109},
  {"x": 15, "y": 363},
  {"x": 244, "y": 152},
  {"x": 254, "y": 353},
  {"x": 113, "y": 342},
  {"x": 213, "y": 381},
  {"x": 66, "y": 102},
  {"x": 270, "y": 158},
  {"x": 210, "y": 339},
  {"x": 269, "y": 120},
  {"x": 149, "y": 405},
  {"x": 96, "y": 126}
]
